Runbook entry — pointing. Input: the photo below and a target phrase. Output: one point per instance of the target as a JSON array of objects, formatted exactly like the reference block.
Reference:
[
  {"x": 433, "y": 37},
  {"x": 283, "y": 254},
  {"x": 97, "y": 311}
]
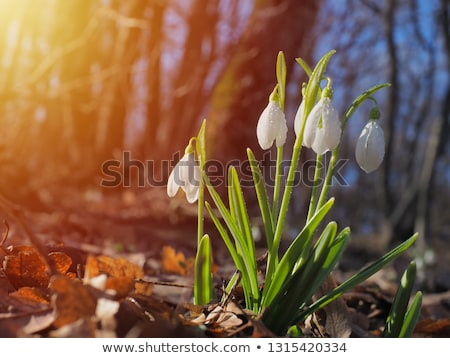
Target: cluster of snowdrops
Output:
[{"x": 284, "y": 298}]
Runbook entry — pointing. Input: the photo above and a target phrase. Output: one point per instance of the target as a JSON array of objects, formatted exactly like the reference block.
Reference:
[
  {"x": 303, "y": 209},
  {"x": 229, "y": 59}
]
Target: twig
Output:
[{"x": 5, "y": 235}]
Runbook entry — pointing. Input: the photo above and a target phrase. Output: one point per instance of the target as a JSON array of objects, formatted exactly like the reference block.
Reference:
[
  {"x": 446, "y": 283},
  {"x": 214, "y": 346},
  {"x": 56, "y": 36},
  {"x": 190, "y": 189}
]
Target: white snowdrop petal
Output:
[
  {"x": 281, "y": 133},
  {"x": 323, "y": 134},
  {"x": 332, "y": 128},
  {"x": 263, "y": 130},
  {"x": 172, "y": 186},
  {"x": 369, "y": 150},
  {"x": 299, "y": 117},
  {"x": 192, "y": 186},
  {"x": 312, "y": 122},
  {"x": 318, "y": 144},
  {"x": 271, "y": 126},
  {"x": 186, "y": 175}
]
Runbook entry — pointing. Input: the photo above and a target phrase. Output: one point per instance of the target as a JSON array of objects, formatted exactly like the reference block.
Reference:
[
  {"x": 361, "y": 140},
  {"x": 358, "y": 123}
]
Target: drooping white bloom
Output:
[
  {"x": 298, "y": 118},
  {"x": 370, "y": 147},
  {"x": 322, "y": 128},
  {"x": 185, "y": 175},
  {"x": 271, "y": 126}
]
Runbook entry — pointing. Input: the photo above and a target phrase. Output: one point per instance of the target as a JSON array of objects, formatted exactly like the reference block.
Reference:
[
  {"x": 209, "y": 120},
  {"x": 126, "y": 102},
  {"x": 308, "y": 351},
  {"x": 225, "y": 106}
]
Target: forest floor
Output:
[{"x": 122, "y": 267}]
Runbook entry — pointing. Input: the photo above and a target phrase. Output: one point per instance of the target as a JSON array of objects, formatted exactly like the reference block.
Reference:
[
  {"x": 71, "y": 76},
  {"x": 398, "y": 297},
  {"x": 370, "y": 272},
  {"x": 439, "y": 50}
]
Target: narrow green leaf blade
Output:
[
  {"x": 237, "y": 259},
  {"x": 298, "y": 248},
  {"x": 394, "y": 321},
  {"x": 203, "y": 278},
  {"x": 241, "y": 214},
  {"x": 359, "y": 277},
  {"x": 263, "y": 199},
  {"x": 412, "y": 316}
]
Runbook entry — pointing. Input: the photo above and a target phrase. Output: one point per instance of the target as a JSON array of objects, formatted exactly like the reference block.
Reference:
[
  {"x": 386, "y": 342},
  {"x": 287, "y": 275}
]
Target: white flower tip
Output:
[{"x": 192, "y": 196}]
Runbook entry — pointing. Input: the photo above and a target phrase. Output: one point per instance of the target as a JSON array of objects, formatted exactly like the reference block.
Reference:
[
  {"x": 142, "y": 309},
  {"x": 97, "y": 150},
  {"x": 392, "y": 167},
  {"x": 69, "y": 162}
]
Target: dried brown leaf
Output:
[
  {"x": 61, "y": 260},
  {"x": 334, "y": 319},
  {"x": 119, "y": 267},
  {"x": 26, "y": 268},
  {"x": 32, "y": 294},
  {"x": 122, "y": 286},
  {"x": 433, "y": 328},
  {"x": 176, "y": 262},
  {"x": 71, "y": 300}
]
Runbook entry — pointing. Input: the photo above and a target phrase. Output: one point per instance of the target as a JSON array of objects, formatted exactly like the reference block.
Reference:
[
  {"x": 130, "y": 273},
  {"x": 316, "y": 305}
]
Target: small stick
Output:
[{"x": 5, "y": 235}]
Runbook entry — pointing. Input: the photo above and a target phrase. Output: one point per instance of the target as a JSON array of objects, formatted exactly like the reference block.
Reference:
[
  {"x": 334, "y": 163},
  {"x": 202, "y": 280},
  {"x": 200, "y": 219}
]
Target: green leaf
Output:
[
  {"x": 281, "y": 78},
  {"x": 313, "y": 86},
  {"x": 203, "y": 277},
  {"x": 240, "y": 241},
  {"x": 225, "y": 213},
  {"x": 200, "y": 143},
  {"x": 239, "y": 212},
  {"x": 299, "y": 248},
  {"x": 237, "y": 259},
  {"x": 394, "y": 321},
  {"x": 412, "y": 316},
  {"x": 332, "y": 254},
  {"x": 304, "y": 65},
  {"x": 358, "y": 277},
  {"x": 299, "y": 288},
  {"x": 263, "y": 200}
]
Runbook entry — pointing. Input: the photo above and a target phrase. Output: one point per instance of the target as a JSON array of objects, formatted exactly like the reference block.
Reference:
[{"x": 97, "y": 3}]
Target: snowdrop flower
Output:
[
  {"x": 322, "y": 128},
  {"x": 370, "y": 147},
  {"x": 271, "y": 126},
  {"x": 185, "y": 175}
]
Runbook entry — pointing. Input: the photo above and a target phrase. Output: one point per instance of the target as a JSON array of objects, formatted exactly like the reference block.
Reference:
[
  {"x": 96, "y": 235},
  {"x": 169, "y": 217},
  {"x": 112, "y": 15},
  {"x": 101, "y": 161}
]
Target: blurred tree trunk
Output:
[
  {"x": 188, "y": 99},
  {"x": 249, "y": 78},
  {"x": 154, "y": 75},
  {"x": 113, "y": 102}
]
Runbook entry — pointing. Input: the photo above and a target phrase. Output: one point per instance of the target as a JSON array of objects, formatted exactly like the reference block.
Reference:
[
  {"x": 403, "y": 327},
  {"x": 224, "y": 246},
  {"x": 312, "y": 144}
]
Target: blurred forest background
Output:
[{"x": 83, "y": 81}]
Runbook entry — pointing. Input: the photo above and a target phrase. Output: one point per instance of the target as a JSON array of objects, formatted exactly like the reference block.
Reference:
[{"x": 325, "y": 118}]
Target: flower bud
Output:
[{"x": 370, "y": 147}]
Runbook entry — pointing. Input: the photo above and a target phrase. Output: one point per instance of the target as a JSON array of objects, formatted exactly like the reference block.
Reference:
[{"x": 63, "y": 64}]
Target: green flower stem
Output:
[
  {"x": 200, "y": 219},
  {"x": 200, "y": 146},
  {"x": 312, "y": 202},
  {"x": 203, "y": 281},
  {"x": 281, "y": 91},
  {"x": 359, "y": 100},
  {"x": 329, "y": 176},
  {"x": 276, "y": 190}
]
